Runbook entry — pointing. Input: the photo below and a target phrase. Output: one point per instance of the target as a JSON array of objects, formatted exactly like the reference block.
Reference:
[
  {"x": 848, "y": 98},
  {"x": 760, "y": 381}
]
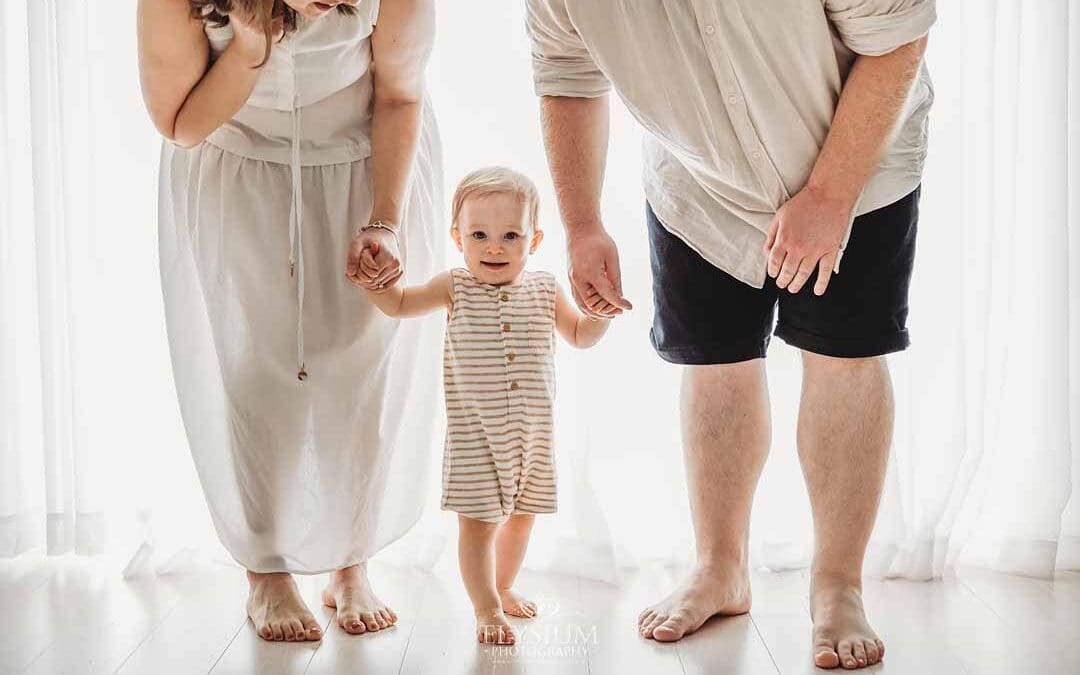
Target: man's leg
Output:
[
  {"x": 845, "y": 429},
  {"x": 726, "y": 433}
]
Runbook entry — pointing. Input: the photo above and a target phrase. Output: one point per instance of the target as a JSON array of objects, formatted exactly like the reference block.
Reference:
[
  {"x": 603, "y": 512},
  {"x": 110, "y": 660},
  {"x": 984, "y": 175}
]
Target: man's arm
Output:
[
  {"x": 809, "y": 229},
  {"x": 576, "y": 139},
  {"x": 868, "y": 110},
  {"x": 574, "y": 115}
]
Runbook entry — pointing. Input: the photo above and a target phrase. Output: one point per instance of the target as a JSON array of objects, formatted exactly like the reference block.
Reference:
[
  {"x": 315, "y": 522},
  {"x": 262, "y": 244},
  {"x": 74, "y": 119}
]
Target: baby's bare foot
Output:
[
  {"x": 276, "y": 609},
  {"x": 492, "y": 628},
  {"x": 358, "y": 610},
  {"x": 515, "y": 605},
  {"x": 707, "y": 591},
  {"x": 842, "y": 635}
]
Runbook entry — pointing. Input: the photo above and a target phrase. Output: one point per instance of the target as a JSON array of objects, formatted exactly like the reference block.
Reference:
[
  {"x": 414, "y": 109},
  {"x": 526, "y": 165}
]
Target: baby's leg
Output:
[
  {"x": 476, "y": 557},
  {"x": 510, "y": 544}
]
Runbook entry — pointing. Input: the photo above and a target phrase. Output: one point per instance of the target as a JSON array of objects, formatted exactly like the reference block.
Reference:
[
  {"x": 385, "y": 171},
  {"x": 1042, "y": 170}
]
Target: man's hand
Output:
[
  {"x": 595, "y": 280},
  {"x": 806, "y": 233},
  {"x": 374, "y": 261}
]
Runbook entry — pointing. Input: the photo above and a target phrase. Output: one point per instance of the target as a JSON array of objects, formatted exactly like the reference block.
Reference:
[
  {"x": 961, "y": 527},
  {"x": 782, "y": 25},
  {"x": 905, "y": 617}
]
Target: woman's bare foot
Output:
[
  {"x": 706, "y": 591},
  {"x": 515, "y": 605},
  {"x": 492, "y": 628},
  {"x": 277, "y": 610},
  {"x": 358, "y": 610},
  {"x": 842, "y": 636}
]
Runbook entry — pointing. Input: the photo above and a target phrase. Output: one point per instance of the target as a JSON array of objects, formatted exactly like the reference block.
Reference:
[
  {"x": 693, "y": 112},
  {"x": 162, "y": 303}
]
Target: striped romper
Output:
[{"x": 499, "y": 372}]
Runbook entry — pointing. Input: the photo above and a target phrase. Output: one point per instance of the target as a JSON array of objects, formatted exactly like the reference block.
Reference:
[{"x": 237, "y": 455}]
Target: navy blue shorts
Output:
[{"x": 703, "y": 315}]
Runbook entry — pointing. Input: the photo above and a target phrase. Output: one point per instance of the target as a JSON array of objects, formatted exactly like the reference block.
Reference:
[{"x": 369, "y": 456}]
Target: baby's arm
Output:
[
  {"x": 403, "y": 301},
  {"x": 579, "y": 330}
]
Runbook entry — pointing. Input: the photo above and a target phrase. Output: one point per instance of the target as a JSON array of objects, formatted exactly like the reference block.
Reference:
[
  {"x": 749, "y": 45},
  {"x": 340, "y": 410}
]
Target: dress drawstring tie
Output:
[{"x": 296, "y": 240}]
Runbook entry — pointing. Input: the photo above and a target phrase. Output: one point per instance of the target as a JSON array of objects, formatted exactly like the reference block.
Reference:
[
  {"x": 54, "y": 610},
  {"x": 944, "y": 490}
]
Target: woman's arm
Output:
[
  {"x": 577, "y": 329},
  {"x": 186, "y": 101},
  {"x": 398, "y": 301},
  {"x": 400, "y": 47}
]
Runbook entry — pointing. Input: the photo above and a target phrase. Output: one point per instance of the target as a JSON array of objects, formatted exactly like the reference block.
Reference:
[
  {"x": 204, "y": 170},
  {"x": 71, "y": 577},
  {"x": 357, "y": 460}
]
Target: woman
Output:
[{"x": 299, "y": 137}]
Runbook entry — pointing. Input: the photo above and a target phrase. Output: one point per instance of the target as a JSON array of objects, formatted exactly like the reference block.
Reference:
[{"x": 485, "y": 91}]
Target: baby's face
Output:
[{"x": 494, "y": 234}]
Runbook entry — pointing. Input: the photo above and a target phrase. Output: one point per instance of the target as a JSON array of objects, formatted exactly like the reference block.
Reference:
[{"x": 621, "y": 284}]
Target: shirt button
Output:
[
  {"x": 506, "y": 328},
  {"x": 511, "y": 356},
  {"x": 756, "y": 156},
  {"x": 709, "y": 30},
  {"x": 733, "y": 99},
  {"x": 513, "y": 386},
  {"x": 504, "y": 297}
]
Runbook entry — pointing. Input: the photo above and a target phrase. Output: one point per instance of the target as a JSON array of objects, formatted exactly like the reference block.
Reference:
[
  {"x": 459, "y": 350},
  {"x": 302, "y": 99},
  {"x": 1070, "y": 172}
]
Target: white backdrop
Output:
[{"x": 92, "y": 452}]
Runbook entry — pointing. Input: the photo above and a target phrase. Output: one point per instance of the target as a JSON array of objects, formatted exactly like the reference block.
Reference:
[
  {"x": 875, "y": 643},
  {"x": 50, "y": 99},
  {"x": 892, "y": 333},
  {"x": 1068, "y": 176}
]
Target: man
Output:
[{"x": 781, "y": 135}]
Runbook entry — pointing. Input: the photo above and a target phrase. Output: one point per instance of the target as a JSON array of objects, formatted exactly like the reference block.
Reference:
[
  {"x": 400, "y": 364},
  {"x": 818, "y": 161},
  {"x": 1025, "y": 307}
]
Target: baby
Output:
[{"x": 498, "y": 368}]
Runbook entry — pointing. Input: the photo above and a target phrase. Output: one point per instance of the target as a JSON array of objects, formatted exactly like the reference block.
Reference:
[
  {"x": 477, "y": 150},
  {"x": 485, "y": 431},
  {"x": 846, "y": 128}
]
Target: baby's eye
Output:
[
  {"x": 479, "y": 235},
  {"x": 512, "y": 235}
]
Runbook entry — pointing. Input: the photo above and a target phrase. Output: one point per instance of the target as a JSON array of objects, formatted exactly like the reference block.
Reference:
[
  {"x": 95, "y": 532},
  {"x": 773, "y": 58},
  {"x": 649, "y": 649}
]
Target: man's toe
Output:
[
  {"x": 858, "y": 650},
  {"x": 872, "y": 655},
  {"x": 643, "y": 620},
  {"x": 655, "y": 622},
  {"x": 352, "y": 624},
  {"x": 847, "y": 658},
  {"x": 825, "y": 655},
  {"x": 670, "y": 630}
]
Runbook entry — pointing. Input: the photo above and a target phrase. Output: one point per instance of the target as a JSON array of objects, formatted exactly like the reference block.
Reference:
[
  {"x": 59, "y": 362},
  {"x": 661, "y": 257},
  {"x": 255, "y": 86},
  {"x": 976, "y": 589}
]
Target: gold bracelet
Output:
[{"x": 382, "y": 225}]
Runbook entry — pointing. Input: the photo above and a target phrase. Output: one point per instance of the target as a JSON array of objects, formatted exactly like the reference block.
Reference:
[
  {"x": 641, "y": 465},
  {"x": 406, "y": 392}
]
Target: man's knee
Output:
[{"x": 813, "y": 362}]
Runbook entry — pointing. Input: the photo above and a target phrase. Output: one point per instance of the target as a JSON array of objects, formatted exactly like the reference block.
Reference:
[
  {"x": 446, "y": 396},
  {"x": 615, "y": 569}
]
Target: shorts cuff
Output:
[
  {"x": 712, "y": 354},
  {"x": 845, "y": 348}
]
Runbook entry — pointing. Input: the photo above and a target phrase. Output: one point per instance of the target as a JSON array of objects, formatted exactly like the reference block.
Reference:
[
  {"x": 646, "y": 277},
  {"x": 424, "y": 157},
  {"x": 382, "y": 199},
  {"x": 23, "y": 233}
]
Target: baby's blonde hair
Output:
[{"x": 492, "y": 180}]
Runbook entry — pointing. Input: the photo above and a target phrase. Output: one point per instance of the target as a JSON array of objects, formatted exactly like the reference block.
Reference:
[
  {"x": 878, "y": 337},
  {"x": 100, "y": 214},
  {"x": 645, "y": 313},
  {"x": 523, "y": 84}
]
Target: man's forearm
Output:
[
  {"x": 576, "y": 140},
  {"x": 869, "y": 108}
]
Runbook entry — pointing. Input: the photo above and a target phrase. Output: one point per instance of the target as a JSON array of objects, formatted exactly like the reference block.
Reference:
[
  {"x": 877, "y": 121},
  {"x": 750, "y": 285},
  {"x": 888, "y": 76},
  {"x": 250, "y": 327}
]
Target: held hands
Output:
[
  {"x": 374, "y": 261},
  {"x": 595, "y": 278},
  {"x": 807, "y": 232}
]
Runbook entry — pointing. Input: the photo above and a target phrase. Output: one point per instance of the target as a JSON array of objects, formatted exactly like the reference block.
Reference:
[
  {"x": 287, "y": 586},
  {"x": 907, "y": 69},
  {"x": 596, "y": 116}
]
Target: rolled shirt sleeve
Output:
[
  {"x": 562, "y": 64},
  {"x": 876, "y": 27}
]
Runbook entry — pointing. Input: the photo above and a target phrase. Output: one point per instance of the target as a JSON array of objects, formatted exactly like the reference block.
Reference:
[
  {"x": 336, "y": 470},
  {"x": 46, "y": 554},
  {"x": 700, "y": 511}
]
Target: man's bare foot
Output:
[
  {"x": 706, "y": 592},
  {"x": 842, "y": 636},
  {"x": 358, "y": 610},
  {"x": 492, "y": 628},
  {"x": 277, "y": 610},
  {"x": 515, "y": 605}
]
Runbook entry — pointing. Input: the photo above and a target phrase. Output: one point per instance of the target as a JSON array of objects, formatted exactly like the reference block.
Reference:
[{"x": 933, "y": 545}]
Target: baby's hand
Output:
[
  {"x": 374, "y": 262},
  {"x": 601, "y": 308}
]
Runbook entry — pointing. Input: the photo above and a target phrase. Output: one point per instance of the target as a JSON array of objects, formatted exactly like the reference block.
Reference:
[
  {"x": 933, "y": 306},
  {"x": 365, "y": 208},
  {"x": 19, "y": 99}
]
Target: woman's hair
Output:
[
  {"x": 216, "y": 12},
  {"x": 492, "y": 180}
]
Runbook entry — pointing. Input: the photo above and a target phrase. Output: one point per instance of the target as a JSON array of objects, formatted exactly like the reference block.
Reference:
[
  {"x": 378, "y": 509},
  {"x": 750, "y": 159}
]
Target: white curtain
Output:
[{"x": 93, "y": 455}]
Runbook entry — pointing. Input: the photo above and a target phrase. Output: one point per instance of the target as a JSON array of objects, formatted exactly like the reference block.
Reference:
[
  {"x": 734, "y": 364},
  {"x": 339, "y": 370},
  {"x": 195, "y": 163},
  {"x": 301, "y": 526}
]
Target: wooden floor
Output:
[{"x": 70, "y": 615}]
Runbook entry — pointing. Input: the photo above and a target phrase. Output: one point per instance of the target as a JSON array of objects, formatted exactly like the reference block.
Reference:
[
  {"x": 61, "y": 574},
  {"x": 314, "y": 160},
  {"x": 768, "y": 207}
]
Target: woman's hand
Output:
[
  {"x": 250, "y": 38},
  {"x": 374, "y": 261}
]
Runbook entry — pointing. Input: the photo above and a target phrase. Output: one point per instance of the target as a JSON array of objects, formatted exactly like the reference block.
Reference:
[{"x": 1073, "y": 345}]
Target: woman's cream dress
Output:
[{"x": 310, "y": 415}]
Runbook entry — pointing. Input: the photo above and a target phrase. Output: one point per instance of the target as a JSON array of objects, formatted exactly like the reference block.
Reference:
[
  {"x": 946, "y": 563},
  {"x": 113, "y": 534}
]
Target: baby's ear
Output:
[
  {"x": 538, "y": 236},
  {"x": 455, "y": 234}
]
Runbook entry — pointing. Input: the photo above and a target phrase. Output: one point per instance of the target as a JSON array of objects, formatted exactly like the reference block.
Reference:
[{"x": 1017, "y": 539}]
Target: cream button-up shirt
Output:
[{"x": 736, "y": 97}]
